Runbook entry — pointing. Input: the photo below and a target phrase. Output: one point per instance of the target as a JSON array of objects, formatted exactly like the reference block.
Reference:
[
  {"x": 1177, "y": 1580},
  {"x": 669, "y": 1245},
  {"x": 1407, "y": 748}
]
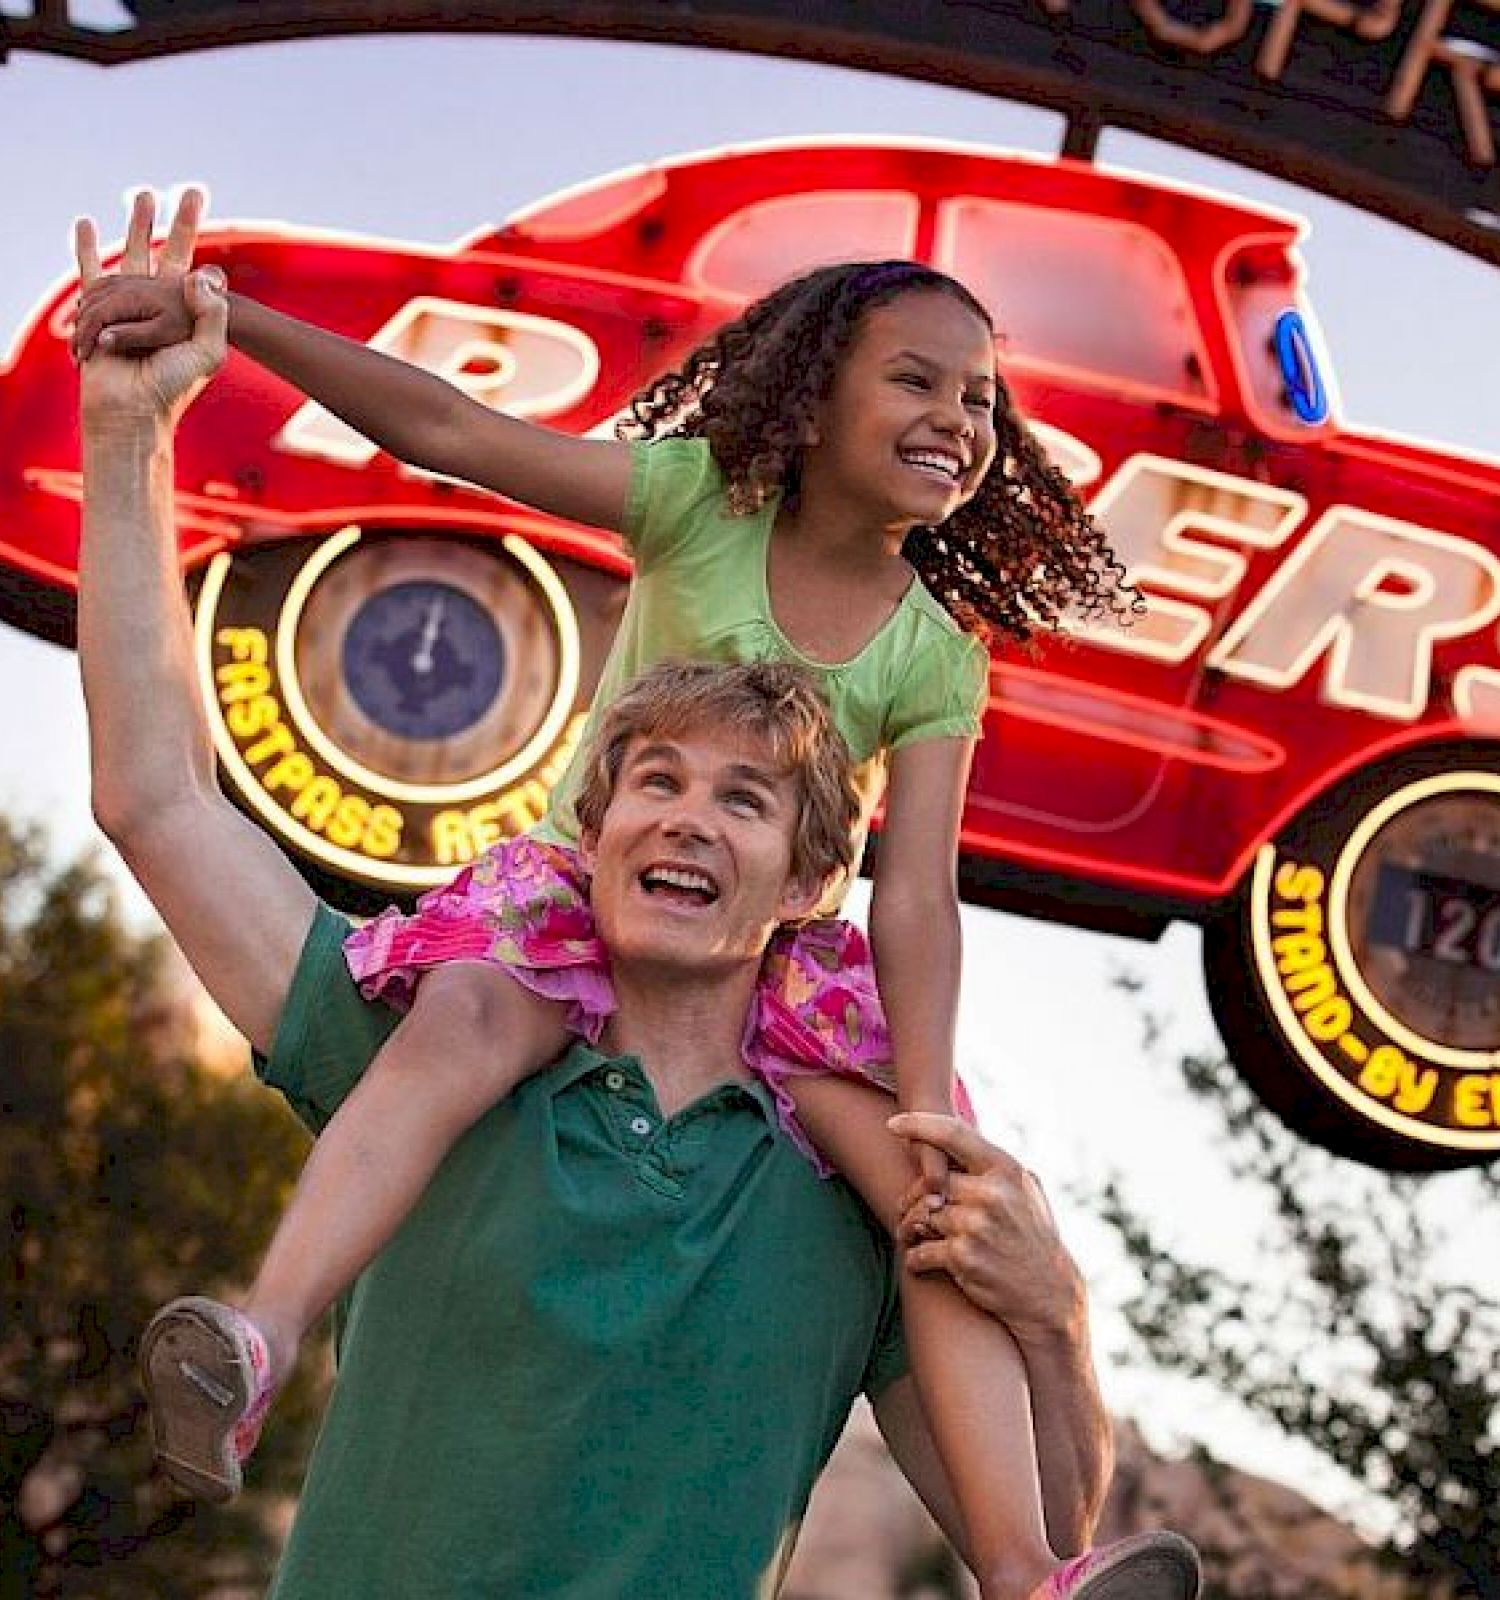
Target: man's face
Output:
[{"x": 692, "y": 867}]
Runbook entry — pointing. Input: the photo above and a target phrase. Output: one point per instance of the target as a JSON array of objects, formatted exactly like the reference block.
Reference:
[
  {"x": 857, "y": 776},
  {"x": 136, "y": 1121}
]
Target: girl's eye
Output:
[
  {"x": 979, "y": 402},
  {"x": 662, "y": 782},
  {"x": 745, "y": 800}
]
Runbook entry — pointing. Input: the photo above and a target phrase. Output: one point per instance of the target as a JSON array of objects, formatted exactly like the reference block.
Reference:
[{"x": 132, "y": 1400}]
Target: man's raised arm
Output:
[{"x": 229, "y": 897}]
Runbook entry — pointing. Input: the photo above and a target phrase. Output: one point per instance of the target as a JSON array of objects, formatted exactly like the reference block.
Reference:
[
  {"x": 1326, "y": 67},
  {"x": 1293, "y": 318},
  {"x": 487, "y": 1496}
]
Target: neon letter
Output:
[
  {"x": 525, "y": 366},
  {"x": 1151, "y": 509},
  {"x": 1373, "y": 595}
]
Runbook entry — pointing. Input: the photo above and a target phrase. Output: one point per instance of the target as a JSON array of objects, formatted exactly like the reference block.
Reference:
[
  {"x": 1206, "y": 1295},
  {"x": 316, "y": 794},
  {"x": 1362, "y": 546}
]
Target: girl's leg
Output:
[
  {"x": 472, "y": 1034},
  {"x": 969, "y": 1371}
]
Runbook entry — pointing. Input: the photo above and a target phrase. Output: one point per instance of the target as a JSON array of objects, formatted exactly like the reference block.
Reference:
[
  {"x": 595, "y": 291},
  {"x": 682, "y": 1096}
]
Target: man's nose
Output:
[{"x": 691, "y": 816}]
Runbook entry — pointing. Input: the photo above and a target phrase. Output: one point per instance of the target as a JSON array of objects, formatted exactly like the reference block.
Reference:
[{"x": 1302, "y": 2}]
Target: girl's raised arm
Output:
[
  {"x": 409, "y": 413},
  {"x": 426, "y": 422}
]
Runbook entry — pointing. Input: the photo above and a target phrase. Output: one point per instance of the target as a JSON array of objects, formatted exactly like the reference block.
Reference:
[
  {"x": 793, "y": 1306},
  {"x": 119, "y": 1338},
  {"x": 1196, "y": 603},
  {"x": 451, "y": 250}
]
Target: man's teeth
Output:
[
  {"x": 680, "y": 878},
  {"x": 949, "y": 466}
]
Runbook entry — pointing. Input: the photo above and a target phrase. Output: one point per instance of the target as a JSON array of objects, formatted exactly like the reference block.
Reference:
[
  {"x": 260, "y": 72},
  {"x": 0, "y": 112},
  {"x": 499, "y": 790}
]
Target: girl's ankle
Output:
[
  {"x": 283, "y": 1337},
  {"x": 1017, "y": 1580}
]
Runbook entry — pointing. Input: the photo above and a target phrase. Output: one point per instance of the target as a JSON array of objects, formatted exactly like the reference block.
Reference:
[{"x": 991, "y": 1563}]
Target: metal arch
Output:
[{"x": 1386, "y": 104}]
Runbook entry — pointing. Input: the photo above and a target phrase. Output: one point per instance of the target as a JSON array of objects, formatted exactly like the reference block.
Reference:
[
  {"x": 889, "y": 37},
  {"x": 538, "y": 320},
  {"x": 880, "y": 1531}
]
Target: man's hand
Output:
[
  {"x": 158, "y": 386},
  {"x": 995, "y": 1237}
]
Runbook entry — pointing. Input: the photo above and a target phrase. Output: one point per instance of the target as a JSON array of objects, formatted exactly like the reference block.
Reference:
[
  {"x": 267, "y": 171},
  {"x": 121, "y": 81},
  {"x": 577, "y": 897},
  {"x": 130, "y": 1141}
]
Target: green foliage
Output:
[
  {"x": 129, "y": 1173},
  {"x": 1354, "y": 1340}
]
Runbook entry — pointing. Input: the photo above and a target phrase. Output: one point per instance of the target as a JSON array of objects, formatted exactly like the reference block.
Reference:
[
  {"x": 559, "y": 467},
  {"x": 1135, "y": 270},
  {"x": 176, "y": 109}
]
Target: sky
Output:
[{"x": 426, "y": 139}]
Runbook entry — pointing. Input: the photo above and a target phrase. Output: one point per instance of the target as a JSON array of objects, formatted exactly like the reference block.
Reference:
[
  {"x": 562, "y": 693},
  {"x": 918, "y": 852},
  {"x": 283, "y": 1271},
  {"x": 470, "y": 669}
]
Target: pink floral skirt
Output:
[{"x": 524, "y": 905}]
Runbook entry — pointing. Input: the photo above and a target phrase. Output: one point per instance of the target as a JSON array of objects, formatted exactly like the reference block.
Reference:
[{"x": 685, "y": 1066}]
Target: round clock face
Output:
[
  {"x": 427, "y": 661},
  {"x": 1424, "y": 904},
  {"x": 423, "y": 660}
]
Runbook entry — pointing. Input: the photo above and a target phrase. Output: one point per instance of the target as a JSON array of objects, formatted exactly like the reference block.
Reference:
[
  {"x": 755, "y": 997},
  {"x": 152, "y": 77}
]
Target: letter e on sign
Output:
[{"x": 1152, "y": 508}]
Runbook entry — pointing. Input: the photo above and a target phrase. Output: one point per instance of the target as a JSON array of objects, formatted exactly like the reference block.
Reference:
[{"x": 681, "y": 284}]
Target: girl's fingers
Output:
[
  {"x": 109, "y": 303},
  {"x": 86, "y": 249},
  {"x": 133, "y": 338},
  {"x": 137, "y": 256},
  {"x": 177, "y": 253}
]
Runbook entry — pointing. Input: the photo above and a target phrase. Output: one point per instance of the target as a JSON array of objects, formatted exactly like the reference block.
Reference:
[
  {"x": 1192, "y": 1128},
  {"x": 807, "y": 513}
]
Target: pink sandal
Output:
[
  {"x": 1149, "y": 1566},
  {"x": 207, "y": 1374}
]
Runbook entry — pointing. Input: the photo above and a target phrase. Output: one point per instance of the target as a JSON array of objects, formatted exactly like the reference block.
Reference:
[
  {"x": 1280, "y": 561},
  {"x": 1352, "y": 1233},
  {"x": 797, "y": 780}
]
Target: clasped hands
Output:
[
  {"x": 148, "y": 336},
  {"x": 994, "y": 1234}
]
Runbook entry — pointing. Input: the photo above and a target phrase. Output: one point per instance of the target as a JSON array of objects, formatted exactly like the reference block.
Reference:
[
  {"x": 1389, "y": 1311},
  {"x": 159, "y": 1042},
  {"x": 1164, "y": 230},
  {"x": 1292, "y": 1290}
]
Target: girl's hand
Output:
[
  {"x": 157, "y": 387},
  {"x": 131, "y": 316}
]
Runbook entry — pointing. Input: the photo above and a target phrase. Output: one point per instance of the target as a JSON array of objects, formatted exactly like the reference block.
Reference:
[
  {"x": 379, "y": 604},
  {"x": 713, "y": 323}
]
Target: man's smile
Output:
[{"x": 678, "y": 884}]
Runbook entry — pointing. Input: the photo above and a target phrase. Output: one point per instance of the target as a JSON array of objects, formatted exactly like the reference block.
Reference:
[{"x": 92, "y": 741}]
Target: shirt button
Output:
[
  {"x": 640, "y": 1126},
  {"x": 614, "y": 1080}
]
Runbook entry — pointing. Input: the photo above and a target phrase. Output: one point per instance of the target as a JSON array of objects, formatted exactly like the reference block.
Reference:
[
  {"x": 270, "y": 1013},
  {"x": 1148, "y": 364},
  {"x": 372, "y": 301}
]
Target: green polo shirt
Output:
[{"x": 605, "y": 1357}]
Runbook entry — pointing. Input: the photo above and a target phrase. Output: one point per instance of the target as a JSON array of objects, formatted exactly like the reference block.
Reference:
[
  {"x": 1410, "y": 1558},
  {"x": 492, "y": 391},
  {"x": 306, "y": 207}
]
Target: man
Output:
[{"x": 615, "y": 1343}]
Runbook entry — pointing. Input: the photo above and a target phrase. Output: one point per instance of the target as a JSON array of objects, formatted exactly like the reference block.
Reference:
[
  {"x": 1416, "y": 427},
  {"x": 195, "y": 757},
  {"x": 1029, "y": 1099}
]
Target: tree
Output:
[
  {"x": 129, "y": 1172},
  {"x": 1360, "y": 1343}
]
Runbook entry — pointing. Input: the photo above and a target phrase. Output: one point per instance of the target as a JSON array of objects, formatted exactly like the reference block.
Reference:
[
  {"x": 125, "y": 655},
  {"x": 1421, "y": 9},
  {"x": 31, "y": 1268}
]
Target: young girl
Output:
[{"x": 839, "y": 478}]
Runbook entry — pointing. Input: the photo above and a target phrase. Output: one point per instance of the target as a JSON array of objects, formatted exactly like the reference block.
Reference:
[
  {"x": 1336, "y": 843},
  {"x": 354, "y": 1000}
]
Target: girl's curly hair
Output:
[{"x": 1015, "y": 558}]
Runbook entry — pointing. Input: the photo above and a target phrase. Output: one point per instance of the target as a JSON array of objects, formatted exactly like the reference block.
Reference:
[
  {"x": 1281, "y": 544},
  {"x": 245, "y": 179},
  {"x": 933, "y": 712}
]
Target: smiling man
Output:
[
  {"x": 624, "y": 1290},
  {"x": 610, "y": 1349}
]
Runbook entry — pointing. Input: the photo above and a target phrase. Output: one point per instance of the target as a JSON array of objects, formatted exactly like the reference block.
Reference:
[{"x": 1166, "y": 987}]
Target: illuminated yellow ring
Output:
[
  {"x": 550, "y": 729},
  {"x": 388, "y": 874},
  {"x": 1338, "y": 920},
  {"x": 1312, "y": 1058}
]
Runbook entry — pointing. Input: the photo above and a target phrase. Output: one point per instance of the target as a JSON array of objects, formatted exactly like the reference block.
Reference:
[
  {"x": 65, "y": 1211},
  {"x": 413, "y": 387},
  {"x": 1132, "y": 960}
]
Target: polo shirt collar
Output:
[{"x": 583, "y": 1060}]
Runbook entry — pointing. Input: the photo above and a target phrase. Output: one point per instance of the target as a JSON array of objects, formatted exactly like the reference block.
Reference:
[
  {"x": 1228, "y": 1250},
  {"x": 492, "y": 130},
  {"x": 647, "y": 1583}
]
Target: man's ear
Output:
[{"x": 800, "y": 898}]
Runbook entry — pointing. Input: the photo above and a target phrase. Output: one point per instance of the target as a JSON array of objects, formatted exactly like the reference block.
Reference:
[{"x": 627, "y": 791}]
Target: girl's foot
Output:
[
  {"x": 1150, "y": 1566},
  {"x": 208, "y": 1378}
]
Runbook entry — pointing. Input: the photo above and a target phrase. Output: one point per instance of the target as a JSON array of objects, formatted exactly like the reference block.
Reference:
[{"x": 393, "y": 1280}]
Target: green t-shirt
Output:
[
  {"x": 700, "y": 594},
  {"x": 604, "y": 1358}
]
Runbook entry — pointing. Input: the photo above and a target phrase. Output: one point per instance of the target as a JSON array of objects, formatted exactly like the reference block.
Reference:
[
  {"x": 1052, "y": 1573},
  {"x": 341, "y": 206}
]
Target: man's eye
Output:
[
  {"x": 662, "y": 781},
  {"x": 745, "y": 800},
  {"x": 913, "y": 380},
  {"x": 980, "y": 402}
]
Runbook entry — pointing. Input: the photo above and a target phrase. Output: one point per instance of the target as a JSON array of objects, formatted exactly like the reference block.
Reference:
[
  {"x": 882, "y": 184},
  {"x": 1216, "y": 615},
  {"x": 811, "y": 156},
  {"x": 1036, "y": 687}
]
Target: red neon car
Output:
[{"x": 1297, "y": 743}]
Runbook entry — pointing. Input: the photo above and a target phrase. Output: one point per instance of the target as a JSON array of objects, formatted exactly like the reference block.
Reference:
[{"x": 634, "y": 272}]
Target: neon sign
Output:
[{"x": 394, "y": 663}]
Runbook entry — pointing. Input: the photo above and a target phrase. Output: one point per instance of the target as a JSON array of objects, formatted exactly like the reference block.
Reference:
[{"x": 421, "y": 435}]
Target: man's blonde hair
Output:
[{"x": 773, "y": 700}]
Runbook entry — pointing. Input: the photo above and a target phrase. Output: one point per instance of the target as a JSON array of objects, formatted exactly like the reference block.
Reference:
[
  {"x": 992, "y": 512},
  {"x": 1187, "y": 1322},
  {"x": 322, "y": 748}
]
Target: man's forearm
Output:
[
  {"x": 148, "y": 734},
  {"x": 1075, "y": 1449}
]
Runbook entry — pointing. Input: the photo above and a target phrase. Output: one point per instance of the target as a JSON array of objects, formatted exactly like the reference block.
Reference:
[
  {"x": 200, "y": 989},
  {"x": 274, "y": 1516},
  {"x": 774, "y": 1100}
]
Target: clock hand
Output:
[{"x": 422, "y": 660}]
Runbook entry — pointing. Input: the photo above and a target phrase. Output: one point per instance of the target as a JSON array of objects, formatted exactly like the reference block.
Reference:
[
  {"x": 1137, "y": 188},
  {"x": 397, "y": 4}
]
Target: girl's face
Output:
[{"x": 908, "y": 428}]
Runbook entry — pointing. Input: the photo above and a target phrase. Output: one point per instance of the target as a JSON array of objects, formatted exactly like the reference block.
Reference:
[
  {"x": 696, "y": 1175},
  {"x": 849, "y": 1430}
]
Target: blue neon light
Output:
[{"x": 1299, "y": 368}]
